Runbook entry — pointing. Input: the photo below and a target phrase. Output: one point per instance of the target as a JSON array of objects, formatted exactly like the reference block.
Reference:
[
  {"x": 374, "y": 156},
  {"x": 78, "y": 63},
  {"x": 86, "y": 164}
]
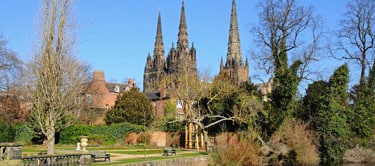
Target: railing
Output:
[{"x": 57, "y": 160}]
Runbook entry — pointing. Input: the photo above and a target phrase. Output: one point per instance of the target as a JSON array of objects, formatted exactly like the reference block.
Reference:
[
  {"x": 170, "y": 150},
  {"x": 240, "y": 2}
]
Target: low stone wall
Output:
[{"x": 191, "y": 161}]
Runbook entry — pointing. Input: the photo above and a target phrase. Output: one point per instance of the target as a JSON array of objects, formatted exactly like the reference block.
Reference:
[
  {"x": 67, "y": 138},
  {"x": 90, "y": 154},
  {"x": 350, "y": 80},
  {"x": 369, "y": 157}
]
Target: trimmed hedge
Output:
[
  {"x": 98, "y": 134},
  {"x": 6, "y": 132}
]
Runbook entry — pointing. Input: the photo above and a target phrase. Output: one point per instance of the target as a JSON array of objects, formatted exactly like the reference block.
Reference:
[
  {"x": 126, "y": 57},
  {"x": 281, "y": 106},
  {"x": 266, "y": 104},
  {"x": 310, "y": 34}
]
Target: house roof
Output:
[
  {"x": 155, "y": 95},
  {"x": 111, "y": 87}
]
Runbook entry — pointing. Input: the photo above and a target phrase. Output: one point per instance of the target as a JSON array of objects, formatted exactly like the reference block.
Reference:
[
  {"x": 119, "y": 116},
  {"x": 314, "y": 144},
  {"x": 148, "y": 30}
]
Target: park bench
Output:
[
  {"x": 169, "y": 151},
  {"x": 100, "y": 155}
]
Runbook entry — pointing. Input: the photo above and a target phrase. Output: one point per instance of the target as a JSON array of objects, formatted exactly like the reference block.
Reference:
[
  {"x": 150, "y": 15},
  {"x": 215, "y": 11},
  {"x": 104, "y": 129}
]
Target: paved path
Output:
[{"x": 119, "y": 156}]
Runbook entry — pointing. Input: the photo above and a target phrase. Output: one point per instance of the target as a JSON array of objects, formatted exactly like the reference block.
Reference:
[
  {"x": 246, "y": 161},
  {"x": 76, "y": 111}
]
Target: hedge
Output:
[{"x": 98, "y": 134}]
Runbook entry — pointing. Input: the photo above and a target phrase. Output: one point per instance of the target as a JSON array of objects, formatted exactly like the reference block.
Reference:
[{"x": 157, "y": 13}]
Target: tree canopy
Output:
[{"x": 131, "y": 106}]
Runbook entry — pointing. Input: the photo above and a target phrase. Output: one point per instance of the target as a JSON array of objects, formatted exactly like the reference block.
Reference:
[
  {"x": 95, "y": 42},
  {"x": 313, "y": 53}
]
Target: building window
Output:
[{"x": 117, "y": 89}]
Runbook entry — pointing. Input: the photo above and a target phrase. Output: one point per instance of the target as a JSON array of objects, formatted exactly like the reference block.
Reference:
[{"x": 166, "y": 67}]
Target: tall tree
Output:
[
  {"x": 131, "y": 106},
  {"x": 10, "y": 66},
  {"x": 282, "y": 25},
  {"x": 56, "y": 74},
  {"x": 311, "y": 102},
  {"x": 356, "y": 39},
  {"x": 356, "y": 36},
  {"x": 334, "y": 117}
]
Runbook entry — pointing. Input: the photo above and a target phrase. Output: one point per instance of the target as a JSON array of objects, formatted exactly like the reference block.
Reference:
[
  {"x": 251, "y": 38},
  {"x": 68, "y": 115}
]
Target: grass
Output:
[
  {"x": 137, "y": 151},
  {"x": 153, "y": 158}
]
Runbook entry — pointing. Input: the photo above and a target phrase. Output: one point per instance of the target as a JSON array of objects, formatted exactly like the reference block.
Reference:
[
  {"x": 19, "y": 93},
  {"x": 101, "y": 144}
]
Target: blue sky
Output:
[{"x": 116, "y": 35}]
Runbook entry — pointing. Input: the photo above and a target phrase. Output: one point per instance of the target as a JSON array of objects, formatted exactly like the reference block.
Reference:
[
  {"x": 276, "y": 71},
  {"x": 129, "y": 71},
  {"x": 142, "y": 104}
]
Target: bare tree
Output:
[
  {"x": 189, "y": 92},
  {"x": 356, "y": 37},
  {"x": 56, "y": 74},
  {"x": 10, "y": 66},
  {"x": 282, "y": 27}
]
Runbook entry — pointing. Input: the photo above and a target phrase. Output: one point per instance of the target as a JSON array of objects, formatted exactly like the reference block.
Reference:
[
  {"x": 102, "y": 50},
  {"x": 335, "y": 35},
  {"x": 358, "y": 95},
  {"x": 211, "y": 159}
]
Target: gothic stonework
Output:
[
  {"x": 181, "y": 59},
  {"x": 234, "y": 66}
]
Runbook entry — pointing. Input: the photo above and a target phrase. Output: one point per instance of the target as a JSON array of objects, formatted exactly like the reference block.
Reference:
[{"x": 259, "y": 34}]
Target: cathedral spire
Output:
[
  {"x": 182, "y": 33},
  {"x": 159, "y": 45},
  {"x": 234, "y": 55}
]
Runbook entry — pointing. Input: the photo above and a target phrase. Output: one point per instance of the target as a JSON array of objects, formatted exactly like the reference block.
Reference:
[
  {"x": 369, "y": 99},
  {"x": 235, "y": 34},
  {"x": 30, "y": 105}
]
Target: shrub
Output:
[
  {"x": 98, "y": 134},
  {"x": 296, "y": 143},
  {"x": 131, "y": 139},
  {"x": 173, "y": 138},
  {"x": 71, "y": 134},
  {"x": 6, "y": 132},
  {"x": 243, "y": 153},
  {"x": 142, "y": 138},
  {"x": 22, "y": 133}
]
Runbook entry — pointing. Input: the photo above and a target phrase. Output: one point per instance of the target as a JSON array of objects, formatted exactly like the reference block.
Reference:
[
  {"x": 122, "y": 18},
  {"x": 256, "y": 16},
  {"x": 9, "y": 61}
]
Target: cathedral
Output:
[
  {"x": 234, "y": 66},
  {"x": 182, "y": 59}
]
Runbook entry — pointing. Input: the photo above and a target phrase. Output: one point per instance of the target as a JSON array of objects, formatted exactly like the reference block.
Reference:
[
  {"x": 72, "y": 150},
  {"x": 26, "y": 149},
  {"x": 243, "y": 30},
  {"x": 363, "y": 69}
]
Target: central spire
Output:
[
  {"x": 182, "y": 41},
  {"x": 159, "y": 45},
  {"x": 234, "y": 55}
]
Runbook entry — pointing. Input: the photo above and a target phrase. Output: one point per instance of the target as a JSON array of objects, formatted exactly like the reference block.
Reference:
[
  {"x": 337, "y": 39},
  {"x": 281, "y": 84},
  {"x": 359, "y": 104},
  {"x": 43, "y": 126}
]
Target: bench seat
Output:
[
  {"x": 100, "y": 155},
  {"x": 169, "y": 151}
]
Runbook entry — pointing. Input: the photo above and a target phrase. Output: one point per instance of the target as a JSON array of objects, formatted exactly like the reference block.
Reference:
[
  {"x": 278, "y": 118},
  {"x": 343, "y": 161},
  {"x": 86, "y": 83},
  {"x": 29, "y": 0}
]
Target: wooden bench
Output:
[
  {"x": 100, "y": 155},
  {"x": 169, "y": 151}
]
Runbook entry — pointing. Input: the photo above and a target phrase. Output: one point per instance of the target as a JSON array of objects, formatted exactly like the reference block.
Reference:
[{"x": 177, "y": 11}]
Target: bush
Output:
[
  {"x": 22, "y": 133},
  {"x": 98, "y": 134},
  {"x": 243, "y": 153},
  {"x": 296, "y": 143},
  {"x": 6, "y": 132},
  {"x": 142, "y": 138},
  {"x": 71, "y": 134}
]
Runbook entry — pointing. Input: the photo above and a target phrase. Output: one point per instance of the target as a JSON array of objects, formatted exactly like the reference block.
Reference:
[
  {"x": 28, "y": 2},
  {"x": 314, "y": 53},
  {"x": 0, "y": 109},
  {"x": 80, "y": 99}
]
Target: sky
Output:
[{"x": 115, "y": 36}]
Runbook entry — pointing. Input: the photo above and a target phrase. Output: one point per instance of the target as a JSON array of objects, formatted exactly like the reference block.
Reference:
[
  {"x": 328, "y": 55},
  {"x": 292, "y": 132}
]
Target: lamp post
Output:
[{"x": 144, "y": 135}]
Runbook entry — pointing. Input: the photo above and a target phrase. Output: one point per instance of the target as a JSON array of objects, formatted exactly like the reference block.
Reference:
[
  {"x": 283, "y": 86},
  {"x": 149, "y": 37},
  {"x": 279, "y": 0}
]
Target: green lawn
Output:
[
  {"x": 137, "y": 151},
  {"x": 136, "y": 160}
]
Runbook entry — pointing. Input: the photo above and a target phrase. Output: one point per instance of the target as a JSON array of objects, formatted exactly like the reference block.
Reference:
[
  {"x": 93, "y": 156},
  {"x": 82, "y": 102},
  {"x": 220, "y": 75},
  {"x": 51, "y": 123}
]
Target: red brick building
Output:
[{"x": 101, "y": 95}]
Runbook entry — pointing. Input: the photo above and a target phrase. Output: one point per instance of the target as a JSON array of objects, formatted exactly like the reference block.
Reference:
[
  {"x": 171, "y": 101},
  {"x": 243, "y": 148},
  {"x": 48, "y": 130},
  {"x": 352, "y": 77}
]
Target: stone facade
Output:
[
  {"x": 101, "y": 95},
  {"x": 234, "y": 67},
  {"x": 180, "y": 60}
]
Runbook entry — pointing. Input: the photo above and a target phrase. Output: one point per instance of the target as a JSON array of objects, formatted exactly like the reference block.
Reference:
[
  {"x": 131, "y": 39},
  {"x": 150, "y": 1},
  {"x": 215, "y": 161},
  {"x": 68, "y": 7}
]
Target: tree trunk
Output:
[{"x": 51, "y": 141}]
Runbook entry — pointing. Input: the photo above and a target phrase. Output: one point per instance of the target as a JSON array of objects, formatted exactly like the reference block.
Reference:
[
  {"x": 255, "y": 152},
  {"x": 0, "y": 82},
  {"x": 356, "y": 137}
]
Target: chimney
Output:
[
  {"x": 99, "y": 75},
  {"x": 130, "y": 83},
  {"x": 162, "y": 91}
]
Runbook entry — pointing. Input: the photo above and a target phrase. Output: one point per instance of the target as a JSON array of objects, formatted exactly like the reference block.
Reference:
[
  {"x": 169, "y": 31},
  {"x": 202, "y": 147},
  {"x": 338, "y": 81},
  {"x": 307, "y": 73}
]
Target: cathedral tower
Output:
[
  {"x": 180, "y": 60},
  {"x": 234, "y": 66},
  {"x": 155, "y": 65}
]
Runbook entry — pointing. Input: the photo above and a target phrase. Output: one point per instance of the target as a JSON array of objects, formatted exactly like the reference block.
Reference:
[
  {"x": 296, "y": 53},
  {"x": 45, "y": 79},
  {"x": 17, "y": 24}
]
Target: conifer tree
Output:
[
  {"x": 131, "y": 106},
  {"x": 334, "y": 117}
]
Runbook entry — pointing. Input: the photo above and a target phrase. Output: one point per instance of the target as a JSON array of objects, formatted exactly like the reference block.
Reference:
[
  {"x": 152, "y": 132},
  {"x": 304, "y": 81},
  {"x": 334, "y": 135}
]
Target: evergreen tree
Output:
[
  {"x": 363, "y": 106},
  {"x": 283, "y": 96},
  {"x": 334, "y": 117},
  {"x": 311, "y": 102},
  {"x": 131, "y": 106}
]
